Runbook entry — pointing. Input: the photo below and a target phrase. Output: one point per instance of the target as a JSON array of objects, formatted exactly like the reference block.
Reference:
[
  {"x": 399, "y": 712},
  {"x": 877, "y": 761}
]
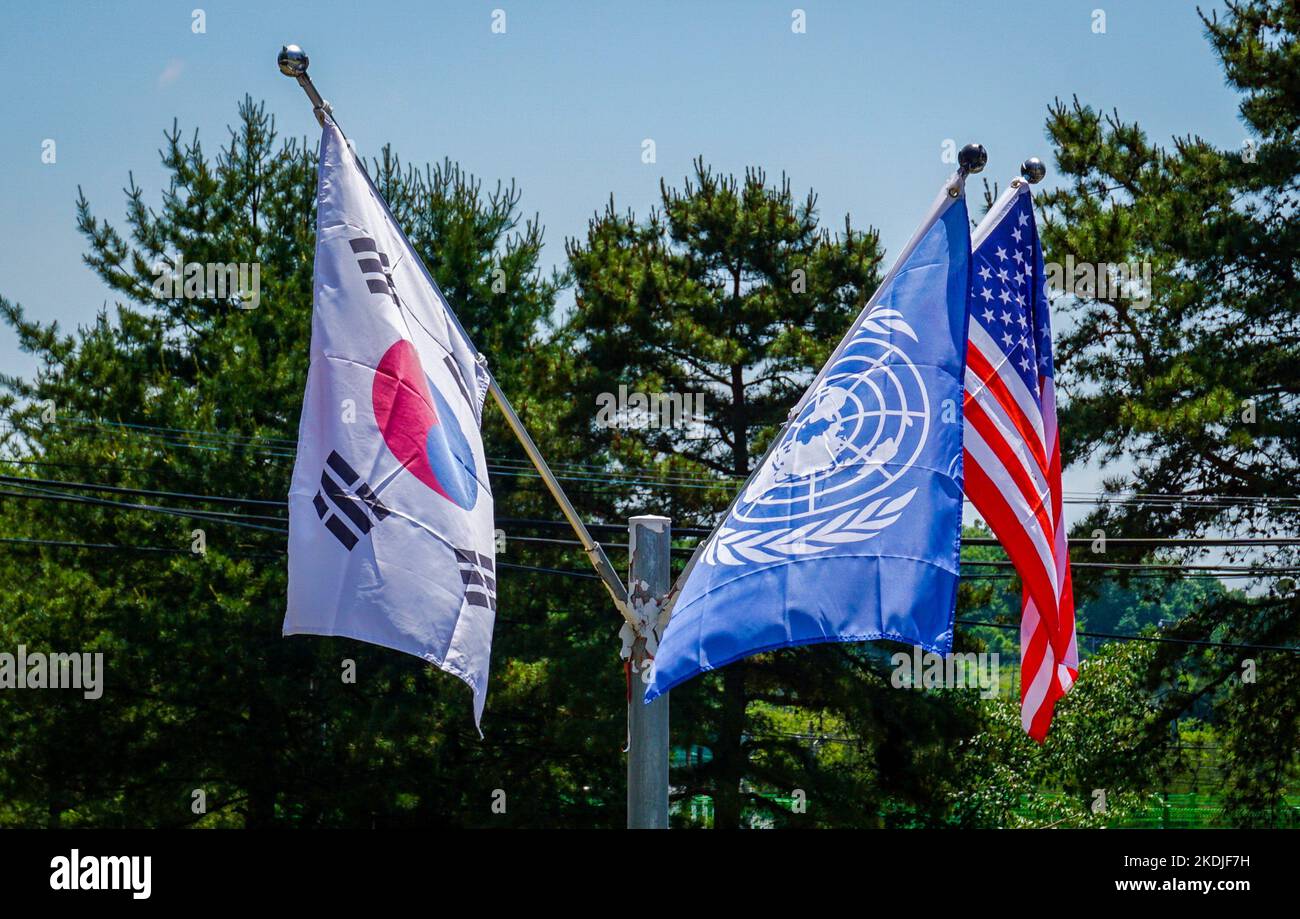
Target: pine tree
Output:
[
  {"x": 732, "y": 289},
  {"x": 1199, "y": 390},
  {"x": 200, "y": 396}
]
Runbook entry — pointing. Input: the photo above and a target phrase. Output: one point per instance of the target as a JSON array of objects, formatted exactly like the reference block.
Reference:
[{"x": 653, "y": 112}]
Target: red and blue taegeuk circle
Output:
[{"x": 420, "y": 428}]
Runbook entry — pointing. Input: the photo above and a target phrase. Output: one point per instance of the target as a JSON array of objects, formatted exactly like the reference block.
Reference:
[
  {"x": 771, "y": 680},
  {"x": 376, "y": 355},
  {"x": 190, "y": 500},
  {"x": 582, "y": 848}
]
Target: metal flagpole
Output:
[
  {"x": 649, "y": 577},
  {"x": 293, "y": 62},
  {"x": 970, "y": 159}
]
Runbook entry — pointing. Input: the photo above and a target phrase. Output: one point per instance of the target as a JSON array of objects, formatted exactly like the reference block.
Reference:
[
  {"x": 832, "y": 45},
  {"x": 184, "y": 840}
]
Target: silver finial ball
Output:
[
  {"x": 1033, "y": 170},
  {"x": 292, "y": 60},
  {"x": 972, "y": 157}
]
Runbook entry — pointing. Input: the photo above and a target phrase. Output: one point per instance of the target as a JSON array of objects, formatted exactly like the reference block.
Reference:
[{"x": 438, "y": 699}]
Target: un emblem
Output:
[{"x": 833, "y": 477}]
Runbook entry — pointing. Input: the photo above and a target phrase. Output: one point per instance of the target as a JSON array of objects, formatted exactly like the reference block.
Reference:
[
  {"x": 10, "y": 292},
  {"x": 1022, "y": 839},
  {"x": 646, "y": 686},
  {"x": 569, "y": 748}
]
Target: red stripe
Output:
[
  {"x": 1031, "y": 660},
  {"x": 996, "y": 442},
  {"x": 1006, "y": 525}
]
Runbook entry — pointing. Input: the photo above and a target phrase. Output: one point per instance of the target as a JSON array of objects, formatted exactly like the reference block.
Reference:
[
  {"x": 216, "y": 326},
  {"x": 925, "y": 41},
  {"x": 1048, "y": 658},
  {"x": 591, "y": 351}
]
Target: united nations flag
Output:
[{"x": 850, "y": 529}]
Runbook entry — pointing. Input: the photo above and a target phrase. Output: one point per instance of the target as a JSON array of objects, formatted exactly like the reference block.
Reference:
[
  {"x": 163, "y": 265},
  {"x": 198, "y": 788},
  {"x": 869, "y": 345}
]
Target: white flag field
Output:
[{"x": 391, "y": 535}]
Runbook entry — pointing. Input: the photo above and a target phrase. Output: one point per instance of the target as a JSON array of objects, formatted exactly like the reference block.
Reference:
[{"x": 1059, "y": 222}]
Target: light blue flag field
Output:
[{"x": 850, "y": 530}]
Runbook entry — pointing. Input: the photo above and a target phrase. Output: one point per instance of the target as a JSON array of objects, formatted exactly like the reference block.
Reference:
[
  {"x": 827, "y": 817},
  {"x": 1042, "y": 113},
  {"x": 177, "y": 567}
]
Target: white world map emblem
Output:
[{"x": 834, "y": 477}]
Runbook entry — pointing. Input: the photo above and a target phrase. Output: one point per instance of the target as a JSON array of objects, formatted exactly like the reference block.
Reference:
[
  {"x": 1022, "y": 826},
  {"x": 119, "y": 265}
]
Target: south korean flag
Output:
[{"x": 390, "y": 512}]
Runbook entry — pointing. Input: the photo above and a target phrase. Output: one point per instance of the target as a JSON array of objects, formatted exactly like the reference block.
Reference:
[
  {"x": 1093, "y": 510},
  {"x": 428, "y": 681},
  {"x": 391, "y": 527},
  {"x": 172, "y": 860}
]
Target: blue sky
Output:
[{"x": 858, "y": 107}]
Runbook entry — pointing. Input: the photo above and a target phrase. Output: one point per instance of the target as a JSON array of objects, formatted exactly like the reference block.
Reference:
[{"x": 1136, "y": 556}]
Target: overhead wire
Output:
[{"x": 601, "y": 475}]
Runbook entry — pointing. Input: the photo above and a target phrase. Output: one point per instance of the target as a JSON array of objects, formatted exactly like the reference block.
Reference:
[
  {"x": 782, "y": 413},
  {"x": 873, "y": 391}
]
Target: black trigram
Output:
[
  {"x": 373, "y": 262},
  {"x": 478, "y": 573},
  {"x": 351, "y": 506}
]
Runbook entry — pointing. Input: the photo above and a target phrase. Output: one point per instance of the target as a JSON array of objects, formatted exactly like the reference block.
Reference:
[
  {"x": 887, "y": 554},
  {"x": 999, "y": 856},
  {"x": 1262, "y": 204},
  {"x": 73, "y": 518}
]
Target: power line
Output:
[
  {"x": 120, "y": 547},
  {"x": 968, "y": 540},
  {"x": 56, "y": 465},
  {"x": 602, "y": 476},
  {"x": 1207, "y": 542},
  {"x": 234, "y": 437},
  {"x": 1001, "y": 563},
  {"x": 146, "y": 492},
  {"x": 1156, "y": 639},
  {"x": 1148, "y": 566},
  {"x": 592, "y": 577},
  {"x": 583, "y": 575},
  {"x": 64, "y": 496},
  {"x": 245, "y": 519},
  {"x": 1217, "y": 573},
  {"x": 209, "y": 516},
  {"x": 221, "y": 516}
]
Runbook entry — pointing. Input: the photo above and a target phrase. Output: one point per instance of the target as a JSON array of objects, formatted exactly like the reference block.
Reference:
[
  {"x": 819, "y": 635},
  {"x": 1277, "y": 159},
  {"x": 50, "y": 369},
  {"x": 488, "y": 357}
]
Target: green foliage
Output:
[
  {"x": 1200, "y": 392},
  {"x": 731, "y": 288},
  {"x": 202, "y": 692}
]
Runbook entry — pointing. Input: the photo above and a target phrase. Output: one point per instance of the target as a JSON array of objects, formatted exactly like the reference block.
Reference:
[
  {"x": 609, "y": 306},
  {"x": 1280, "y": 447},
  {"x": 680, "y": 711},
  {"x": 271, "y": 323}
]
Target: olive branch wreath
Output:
[{"x": 735, "y": 546}]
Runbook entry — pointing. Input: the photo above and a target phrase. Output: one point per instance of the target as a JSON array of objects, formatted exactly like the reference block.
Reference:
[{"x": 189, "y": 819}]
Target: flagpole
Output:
[
  {"x": 293, "y": 62},
  {"x": 970, "y": 159}
]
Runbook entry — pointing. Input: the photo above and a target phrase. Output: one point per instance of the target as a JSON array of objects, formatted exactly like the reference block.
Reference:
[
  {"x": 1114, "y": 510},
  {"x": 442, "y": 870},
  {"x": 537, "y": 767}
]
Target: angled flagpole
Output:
[
  {"x": 293, "y": 62},
  {"x": 970, "y": 159}
]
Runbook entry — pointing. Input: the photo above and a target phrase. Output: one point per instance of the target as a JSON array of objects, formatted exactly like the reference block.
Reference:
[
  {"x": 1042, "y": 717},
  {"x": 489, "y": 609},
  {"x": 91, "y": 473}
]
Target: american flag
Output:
[{"x": 1013, "y": 447}]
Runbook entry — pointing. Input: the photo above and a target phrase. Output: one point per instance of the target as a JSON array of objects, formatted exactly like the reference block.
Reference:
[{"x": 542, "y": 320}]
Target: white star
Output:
[
  {"x": 1002, "y": 253},
  {"x": 1015, "y": 234},
  {"x": 1020, "y": 259},
  {"x": 1020, "y": 298},
  {"x": 1023, "y": 218},
  {"x": 1004, "y": 296},
  {"x": 987, "y": 295},
  {"x": 1024, "y": 364},
  {"x": 985, "y": 273},
  {"x": 988, "y": 314},
  {"x": 1003, "y": 276},
  {"x": 1022, "y": 320},
  {"x": 1006, "y": 318},
  {"x": 1007, "y": 339}
]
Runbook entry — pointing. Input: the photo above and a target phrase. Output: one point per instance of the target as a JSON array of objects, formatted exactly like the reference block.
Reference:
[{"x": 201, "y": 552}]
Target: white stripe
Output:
[
  {"x": 1062, "y": 554},
  {"x": 1000, "y": 363},
  {"x": 1048, "y": 389},
  {"x": 988, "y": 461}
]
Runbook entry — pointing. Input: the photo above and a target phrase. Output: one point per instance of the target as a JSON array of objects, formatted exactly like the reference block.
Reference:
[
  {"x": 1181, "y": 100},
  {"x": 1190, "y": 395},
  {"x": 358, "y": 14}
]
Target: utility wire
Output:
[
  {"x": 975, "y": 623},
  {"x": 114, "y": 489},
  {"x": 647, "y": 478},
  {"x": 233, "y": 520},
  {"x": 120, "y": 547},
  {"x": 583, "y": 575},
  {"x": 972, "y": 540},
  {"x": 512, "y": 538},
  {"x": 230, "y": 517},
  {"x": 1157, "y": 639},
  {"x": 643, "y": 471}
]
